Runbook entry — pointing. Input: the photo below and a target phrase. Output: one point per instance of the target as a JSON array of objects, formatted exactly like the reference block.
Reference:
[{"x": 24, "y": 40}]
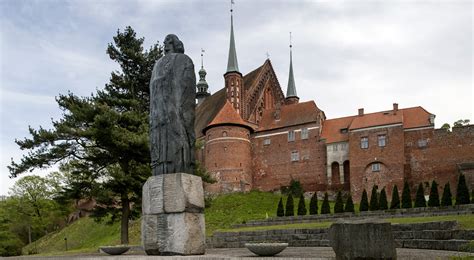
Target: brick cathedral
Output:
[{"x": 253, "y": 136}]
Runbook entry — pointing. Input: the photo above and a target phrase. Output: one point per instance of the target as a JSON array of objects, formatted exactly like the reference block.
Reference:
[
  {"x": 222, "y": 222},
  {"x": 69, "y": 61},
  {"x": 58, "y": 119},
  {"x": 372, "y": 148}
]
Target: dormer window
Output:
[{"x": 343, "y": 130}]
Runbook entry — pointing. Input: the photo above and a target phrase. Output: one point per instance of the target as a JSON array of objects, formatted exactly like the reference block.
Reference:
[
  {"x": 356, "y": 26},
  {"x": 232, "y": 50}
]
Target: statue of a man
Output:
[{"x": 172, "y": 105}]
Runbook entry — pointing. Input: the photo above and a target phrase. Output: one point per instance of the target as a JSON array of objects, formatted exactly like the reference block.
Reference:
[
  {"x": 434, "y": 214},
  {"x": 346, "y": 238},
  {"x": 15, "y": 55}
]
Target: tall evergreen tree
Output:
[
  {"x": 433, "y": 200},
  {"x": 280, "y": 210},
  {"x": 349, "y": 204},
  {"x": 325, "y": 208},
  {"x": 462, "y": 192},
  {"x": 374, "y": 201},
  {"x": 313, "y": 204},
  {"x": 406, "y": 196},
  {"x": 395, "y": 203},
  {"x": 383, "y": 203},
  {"x": 339, "y": 205},
  {"x": 447, "y": 200},
  {"x": 364, "y": 202},
  {"x": 420, "y": 200},
  {"x": 290, "y": 207},
  {"x": 302, "y": 206}
]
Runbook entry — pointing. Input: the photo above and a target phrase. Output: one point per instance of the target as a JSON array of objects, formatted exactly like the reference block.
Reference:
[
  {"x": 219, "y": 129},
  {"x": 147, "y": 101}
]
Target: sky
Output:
[{"x": 346, "y": 54}]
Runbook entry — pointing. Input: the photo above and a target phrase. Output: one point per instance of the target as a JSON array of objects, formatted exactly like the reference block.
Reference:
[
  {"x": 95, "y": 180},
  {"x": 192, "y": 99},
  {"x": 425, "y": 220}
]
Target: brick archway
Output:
[{"x": 335, "y": 179}]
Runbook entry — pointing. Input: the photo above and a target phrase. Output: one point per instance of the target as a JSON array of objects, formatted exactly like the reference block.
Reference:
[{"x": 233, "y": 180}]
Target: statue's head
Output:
[{"x": 172, "y": 44}]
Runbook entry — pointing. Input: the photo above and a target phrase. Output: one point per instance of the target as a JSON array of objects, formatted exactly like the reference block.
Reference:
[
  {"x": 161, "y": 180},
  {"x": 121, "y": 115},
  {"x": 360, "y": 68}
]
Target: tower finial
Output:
[
  {"x": 232, "y": 64},
  {"x": 291, "y": 90},
  {"x": 202, "y": 58}
]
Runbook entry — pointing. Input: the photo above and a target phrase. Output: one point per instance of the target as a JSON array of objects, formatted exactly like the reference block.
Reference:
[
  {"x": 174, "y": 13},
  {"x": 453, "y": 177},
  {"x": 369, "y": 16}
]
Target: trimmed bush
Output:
[
  {"x": 383, "y": 203},
  {"x": 302, "y": 206},
  {"x": 280, "y": 210},
  {"x": 395, "y": 203},
  {"x": 325, "y": 208},
  {"x": 313, "y": 204},
  {"x": 349, "y": 205},
  {"x": 406, "y": 197},
  {"x": 420, "y": 201},
  {"x": 462, "y": 193},
  {"x": 374, "y": 201},
  {"x": 339, "y": 206},
  {"x": 290, "y": 208},
  {"x": 433, "y": 201},
  {"x": 447, "y": 200},
  {"x": 364, "y": 202}
]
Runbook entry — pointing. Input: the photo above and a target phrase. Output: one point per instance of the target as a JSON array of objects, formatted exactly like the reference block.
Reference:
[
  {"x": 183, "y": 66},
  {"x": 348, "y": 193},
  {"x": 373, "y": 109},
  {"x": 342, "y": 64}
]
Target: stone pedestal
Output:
[
  {"x": 363, "y": 239},
  {"x": 173, "y": 215}
]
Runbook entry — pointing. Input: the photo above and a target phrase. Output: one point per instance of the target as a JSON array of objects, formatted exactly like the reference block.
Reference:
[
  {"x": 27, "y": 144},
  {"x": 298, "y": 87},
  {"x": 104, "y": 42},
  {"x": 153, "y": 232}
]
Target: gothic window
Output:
[
  {"x": 364, "y": 142},
  {"x": 295, "y": 156},
  {"x": 291, "y": 136},
  {"x": 304, "y": 133},
  {"x": 382, "y": 140}
]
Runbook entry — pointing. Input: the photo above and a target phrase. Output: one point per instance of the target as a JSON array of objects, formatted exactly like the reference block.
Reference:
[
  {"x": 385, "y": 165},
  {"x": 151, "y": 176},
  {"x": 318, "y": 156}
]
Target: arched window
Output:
[{"x": 335, "y": 173}]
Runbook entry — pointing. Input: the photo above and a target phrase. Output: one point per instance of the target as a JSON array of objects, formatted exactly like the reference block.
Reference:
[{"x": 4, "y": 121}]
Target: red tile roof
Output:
[
  {"x": 294, "y": 114},
  {"x": 376, "y": 119},
  {"x": 332, "y": 129},
  {"x": 415, "y": 117},
  {"x": 227, "y": 116}
]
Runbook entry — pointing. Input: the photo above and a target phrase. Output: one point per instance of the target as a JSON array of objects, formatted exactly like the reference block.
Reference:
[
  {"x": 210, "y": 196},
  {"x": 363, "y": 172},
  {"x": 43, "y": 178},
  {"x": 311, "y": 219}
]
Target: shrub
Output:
[
  {"x": 325, "y": 208},
  {"x": 302, "y": 206},
  {"x": 383, "y": 204},
  {"x": 280, "y": 210},
  {"x": 294, "y": 188},
  {"x": 349, "y": 205},
  {"x": 447, "y": 200},
  {"x": 290, "y": 208},
  {"x": 374, "y": 202},
  {"x": 395, "y": 203},
  {"x": 313, "y": 204},
  {"x": 364, "y": 202},
  {"x": 462, "y": 193},
  {"x": 406, "y": 197},
  {"x": 339, "y": 206},
  {"x": 420, "y": 201},
  {"x": 433, "y": 201}
]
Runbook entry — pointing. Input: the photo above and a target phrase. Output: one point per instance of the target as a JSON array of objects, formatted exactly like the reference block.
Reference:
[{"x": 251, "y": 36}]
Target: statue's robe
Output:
[{"x": 172, "y": 108}]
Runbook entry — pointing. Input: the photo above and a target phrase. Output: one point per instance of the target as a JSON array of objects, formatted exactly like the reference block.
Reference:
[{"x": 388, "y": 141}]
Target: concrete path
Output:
[{"x": 242, "y": 253}]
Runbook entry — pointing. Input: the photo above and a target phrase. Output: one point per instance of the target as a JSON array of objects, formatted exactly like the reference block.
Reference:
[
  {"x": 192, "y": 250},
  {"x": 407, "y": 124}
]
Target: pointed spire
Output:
[
  {"x": 232, "y": 64},
  {"x": 202, "y": 85},
  {"x": 291, "y": 91}
]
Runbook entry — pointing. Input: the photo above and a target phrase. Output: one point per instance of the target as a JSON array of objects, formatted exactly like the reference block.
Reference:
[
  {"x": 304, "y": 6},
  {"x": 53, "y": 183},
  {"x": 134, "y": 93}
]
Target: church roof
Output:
[
  {"x": 207, "y": 110},
  {"x": 290, "y": 115},
  {"x": 227, "y": 116},
  {"x": 332, "y": 129}
]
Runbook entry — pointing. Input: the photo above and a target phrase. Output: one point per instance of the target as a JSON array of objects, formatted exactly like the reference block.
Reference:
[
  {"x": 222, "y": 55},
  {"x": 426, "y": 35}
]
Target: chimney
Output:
[
  {"x": 395, "y": 108},
  {"x": 361, "y": 111}
]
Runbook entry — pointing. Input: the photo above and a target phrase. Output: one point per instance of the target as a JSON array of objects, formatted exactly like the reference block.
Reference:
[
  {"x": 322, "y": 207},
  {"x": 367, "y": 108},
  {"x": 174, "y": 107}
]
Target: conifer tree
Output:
[
  {"x": 280, "y": 210},
  {"x": 462, "y": 192},
  {"x": 313, "y": 204},
  {"x": 290, "y": 208},
  {"x": 395, "y": 203},
  {"x": 383, "y": 204},
  {"x": 447, "y": 200},
  {"x": 433, "y": 200},
  {"x": 374, "y": 201},
  {"x": 364, "y": 202},
  {"x": 420, "y": 201},
  {"x": 325, "y": 208},
  {"x": 349, "y": 204},
  {"x": 339, "y": 205},
  {"x": 406, "y": 197},
  {"x": 302, "y": 206}
]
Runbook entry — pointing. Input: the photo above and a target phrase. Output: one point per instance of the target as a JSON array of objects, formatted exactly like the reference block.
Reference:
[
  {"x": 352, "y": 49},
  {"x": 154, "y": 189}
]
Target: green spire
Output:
[
  {"x": 232, "y": 64},
  {"x": 291, "y": 91}
]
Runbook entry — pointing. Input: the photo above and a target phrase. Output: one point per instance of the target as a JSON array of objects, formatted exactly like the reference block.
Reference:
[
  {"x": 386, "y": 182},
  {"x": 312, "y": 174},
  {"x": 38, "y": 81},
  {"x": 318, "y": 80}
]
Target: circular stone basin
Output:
[
  {"x": 114, "y": 250},
  {"x": 266, "y": 249}
]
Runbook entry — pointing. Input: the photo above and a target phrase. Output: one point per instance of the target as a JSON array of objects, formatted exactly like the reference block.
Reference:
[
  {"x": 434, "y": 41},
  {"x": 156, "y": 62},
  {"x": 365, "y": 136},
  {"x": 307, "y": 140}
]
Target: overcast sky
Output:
[{"x": 346, "y": 55}]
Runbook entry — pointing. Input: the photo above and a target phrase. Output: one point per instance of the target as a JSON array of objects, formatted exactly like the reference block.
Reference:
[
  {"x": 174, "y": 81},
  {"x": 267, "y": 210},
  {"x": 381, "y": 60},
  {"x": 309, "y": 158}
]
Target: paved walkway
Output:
[{"x": 242, "y": 253}]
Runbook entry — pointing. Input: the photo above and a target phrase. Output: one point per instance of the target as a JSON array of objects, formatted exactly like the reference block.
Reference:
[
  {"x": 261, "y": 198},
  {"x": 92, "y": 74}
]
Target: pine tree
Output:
[
  {"x": 364, "y": 202},
  {"x": 406, "y": 197},
  {"x": 302, "y": 206},
  {"x": 280, "y": 210},
  {"x": 325, "y": 208},
  {"x": 395, "y": 203},
  {"x": 349, "y": 204},
  {"x": 313, "y": 204},
  {"x": 290, "y": 208},
  {"x": 383, "y": 204},
  {"x": 374, "y": 202},
  {"x": 420, "y": 201},
  {"x": 447, "y": 200},
  {"x": 339, "y": 205},
  {"x": 462, "y": 192},
  {"x": 433, "y": 200}
]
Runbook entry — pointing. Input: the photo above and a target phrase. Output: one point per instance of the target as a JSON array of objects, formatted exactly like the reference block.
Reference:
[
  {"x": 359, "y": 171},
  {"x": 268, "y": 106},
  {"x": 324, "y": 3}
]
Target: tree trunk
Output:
[{"x": 124, "y": 221}]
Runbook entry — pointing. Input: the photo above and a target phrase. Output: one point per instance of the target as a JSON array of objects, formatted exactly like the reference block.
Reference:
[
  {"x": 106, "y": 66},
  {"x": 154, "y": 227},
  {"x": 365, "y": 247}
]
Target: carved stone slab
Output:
[
  {"x": 183, "y": 193},
  {"x": 152, "y": 200}
]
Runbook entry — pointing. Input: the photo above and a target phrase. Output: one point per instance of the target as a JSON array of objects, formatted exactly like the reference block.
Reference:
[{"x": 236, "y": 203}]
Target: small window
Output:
[
  {"x": 295, "y": 156},
  {"x": 304, "y": 133},
  {"x": 382, "y": 140},
  {"x": 334, "y": 147},
  {"x": 364, "y": 142},
  {"x": 344, "y": 130},
  {"x": 376, "y": 167},
  {"x": 422, "y": 143},
  {"x": 343, "y": 146},
  {"x": 224, "y": 133},
  {"x": 291, "y": 136},
  {"x": 266, "y": 141}
]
